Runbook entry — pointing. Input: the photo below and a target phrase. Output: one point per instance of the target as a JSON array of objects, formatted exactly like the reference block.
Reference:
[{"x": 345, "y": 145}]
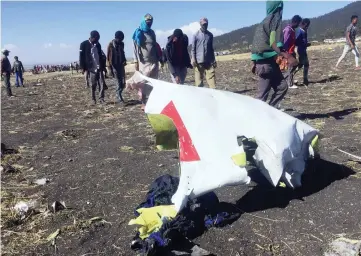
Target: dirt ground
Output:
[{"x": 101, "y": 159}]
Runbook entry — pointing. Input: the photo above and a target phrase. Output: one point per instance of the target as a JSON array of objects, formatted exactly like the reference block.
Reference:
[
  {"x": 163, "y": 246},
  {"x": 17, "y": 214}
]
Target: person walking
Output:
[
  {"x": 177, "y": 56},
  {"x": 6, "y": 71},
  {"x": 265, "y": 49},
  {"x": 302, "y": 44},
  {"x": 19, "y": 70},
  {"x": 116, "y": 62},
  {"x": 350, "y": 46},
  {"x": 203, "y": 58},
  {"x": 91, "y": 64},
  {"x": 146, "y": 57},
  {"x": 289, "y": 39}
]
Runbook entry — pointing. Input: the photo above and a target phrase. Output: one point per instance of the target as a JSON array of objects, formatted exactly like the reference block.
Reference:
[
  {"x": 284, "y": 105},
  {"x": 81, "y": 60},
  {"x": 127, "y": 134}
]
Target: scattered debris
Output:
[
  {"x": 58, "y": 206},
  {"x": 357, "y": 157},
  {"x": 53, "y": 236},
  {"x": 344, "y": 247},
  {"x": 126, "y": 149},
  {"x": 24, "y": 208},
  {"x": 42, "y": 181}
]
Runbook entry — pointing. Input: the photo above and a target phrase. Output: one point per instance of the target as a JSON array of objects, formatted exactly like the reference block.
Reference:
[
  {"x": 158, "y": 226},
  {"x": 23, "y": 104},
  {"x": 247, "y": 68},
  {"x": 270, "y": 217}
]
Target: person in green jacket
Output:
[{"x": 267, "y": 45}]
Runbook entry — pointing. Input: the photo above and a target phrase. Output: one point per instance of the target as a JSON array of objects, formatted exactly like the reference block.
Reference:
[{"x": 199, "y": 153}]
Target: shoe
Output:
[
  {"x": 11, "y": 96},
  {"x": 305, "y": 82},
  {"x": 293, "y": 87},
  {"x": 102, "y": 101},
  {"x": 93, "y": 103}
]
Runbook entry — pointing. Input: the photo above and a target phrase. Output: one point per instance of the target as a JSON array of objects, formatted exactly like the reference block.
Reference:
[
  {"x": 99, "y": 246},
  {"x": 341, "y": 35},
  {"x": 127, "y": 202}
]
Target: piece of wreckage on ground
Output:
[{"x": 217, "y": 133}]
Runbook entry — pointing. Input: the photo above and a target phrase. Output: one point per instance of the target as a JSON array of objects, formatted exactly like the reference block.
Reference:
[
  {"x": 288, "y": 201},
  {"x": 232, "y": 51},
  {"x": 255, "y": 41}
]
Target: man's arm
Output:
[
  {"x": 22, "y": 67},
  {"x": 286, "y": 37},
  {"x": 348, "y": 38},
  {"x": 82, "y": 56},
  {"x": 212, "y": 49},
  {"x": 194, "y": 48}
]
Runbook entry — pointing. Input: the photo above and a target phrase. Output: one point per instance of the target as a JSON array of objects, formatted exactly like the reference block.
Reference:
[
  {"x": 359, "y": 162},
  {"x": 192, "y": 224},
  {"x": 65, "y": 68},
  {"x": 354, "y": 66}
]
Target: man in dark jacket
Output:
[
  {"x": 90, "y": 61},
  {"x": 116, "y": 62},
  {"x": 177, "y": 56},
  {"x": 6, "y": 71},
  {"x": 18, "y": 69}
]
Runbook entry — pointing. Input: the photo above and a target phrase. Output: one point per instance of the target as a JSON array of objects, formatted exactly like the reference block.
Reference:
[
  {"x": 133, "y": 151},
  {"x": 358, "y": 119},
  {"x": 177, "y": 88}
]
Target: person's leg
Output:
[
  {"x": 94, "y": 83},
  {"x": 183, "y": 74},
  {"x": 199, "y": 75},
  {"x": 120, "y": 79},
  {"x": 305, "y": 70},
  {"x": 101, "y": 83},
  {"x": 7, "y": 84},
  {"x": 346, "y": 49},
  {"x": 86, "y": 76},
  {"x": 21, "y": 79},
  {"x": 173, "y": 77},
  {"x": 211, "y": 77},
  {"x": 263, "y": 71},
  {"x": 279, "y": 85},
  {"x": 17, "y": 79},
  {"x": 357, "y": 56}
]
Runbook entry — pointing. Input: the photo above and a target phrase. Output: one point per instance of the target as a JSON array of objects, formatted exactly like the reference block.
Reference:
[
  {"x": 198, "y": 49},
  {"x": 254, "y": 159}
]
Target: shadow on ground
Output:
[{"x": 335, "y": 114}]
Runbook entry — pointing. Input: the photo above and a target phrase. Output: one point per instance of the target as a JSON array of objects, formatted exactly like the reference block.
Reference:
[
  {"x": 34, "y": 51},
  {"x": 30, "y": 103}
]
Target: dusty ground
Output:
[{"x": 100, "y": 161}]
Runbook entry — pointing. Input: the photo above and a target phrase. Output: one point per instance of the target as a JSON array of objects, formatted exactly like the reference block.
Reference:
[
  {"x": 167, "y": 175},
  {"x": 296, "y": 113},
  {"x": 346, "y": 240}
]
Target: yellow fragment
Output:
[
  {"x": 240, "y": 159},
  {"x": 150, "y": 219}
]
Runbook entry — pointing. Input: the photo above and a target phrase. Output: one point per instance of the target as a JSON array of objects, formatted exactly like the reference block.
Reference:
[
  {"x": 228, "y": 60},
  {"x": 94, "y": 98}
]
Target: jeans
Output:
[
  {"x": 346, "y": 50},
  {"x": 19, "y": 76}
]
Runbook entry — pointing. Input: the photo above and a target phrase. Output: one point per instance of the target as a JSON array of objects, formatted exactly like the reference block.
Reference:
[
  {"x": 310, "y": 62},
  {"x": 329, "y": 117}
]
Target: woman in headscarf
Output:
[
  {"x": 146, "y": 57},
  {"x": 265, "y": 49}
]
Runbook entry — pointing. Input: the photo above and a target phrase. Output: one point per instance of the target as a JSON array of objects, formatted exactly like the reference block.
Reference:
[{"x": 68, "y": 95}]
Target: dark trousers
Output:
[
  {"x": 7, "y": 84},
  {"x": 19, "y": 76},
  {"x": 270, "y": 76},
  {"x": 289, "y": 74},
  {"x": 303, "y": 63},
  {"x": 119, "y": 73},
  {"x": 95, "y": 81}
]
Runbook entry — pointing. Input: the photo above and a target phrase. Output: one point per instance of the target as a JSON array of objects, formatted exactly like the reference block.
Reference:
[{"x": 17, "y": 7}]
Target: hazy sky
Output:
[{"x": 51, "y": 32}]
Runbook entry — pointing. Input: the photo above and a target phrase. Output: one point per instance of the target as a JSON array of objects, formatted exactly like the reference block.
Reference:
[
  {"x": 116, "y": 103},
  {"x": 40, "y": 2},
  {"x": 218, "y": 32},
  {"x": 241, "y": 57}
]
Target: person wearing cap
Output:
[
  {"x": 177, "y": 56},
  {"x": 18, "y": 69},
  {"x": 146, "y": 56},
  {"x": 90, "y": 61},
  {"x": 265, "y": 49},
  {"x": 203, "y": 58},
  {"x": 116, "y": 62},
  {"x": 6, "y": 71}
]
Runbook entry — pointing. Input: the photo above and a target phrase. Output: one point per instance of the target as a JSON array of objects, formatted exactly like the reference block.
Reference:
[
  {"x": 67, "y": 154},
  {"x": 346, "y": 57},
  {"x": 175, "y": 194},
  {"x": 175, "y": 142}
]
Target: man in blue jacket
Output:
[{"x": 302, "y": 44}]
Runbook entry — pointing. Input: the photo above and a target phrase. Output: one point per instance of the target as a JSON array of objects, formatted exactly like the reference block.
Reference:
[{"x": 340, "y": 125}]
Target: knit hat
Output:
[
  {"x": 94, "y": 34},
  {"x": 178, "y": 33},
  {"x": 203, "y": 21},
  {"x": 119, "y": 35}
]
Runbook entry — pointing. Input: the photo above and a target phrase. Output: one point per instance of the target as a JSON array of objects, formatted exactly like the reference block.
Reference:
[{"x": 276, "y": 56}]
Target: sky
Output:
[{"x": 51, "y": 32}]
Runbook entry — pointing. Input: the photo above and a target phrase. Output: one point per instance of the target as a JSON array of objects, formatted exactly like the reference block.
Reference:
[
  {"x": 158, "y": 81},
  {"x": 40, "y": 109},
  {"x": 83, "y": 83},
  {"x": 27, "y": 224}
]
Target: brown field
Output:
[{"x": 101, "y": 159}]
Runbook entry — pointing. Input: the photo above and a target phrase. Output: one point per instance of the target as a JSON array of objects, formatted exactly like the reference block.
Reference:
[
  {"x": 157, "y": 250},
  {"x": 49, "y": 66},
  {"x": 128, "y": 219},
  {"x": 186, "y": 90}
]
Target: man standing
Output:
[
  {"x": 116, "y": 62},
  {"x": 302, "y": 44},
  {"x": 350, "y": 45},
  {"x": 18, "y": 69},
  {"x": 177, "y": 56},
  {"x": 203, "y": 58},
  {"x": 6, "y": 71},
  {"x": 265, "y": 48},
  {"x": 91, "y": 64},
  {"x": 289, "y": 39},
  {"x": 146, "y": 56}
]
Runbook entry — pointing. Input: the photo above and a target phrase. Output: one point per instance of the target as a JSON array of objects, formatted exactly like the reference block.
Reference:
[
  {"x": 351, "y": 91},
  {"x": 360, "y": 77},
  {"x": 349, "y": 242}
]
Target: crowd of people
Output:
[
  {"x": 37, "y": 69},
  {"x": 273, "y": 56}
]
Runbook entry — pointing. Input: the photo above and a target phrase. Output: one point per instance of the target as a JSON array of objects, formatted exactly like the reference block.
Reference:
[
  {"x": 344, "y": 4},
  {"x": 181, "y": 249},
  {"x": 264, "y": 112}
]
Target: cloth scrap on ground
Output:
[{"x": 199, "y": 215}]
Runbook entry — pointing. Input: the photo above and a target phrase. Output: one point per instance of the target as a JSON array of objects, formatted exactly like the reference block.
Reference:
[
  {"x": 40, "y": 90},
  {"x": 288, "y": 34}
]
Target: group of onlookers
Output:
[{"x": 273, "y": 56}]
